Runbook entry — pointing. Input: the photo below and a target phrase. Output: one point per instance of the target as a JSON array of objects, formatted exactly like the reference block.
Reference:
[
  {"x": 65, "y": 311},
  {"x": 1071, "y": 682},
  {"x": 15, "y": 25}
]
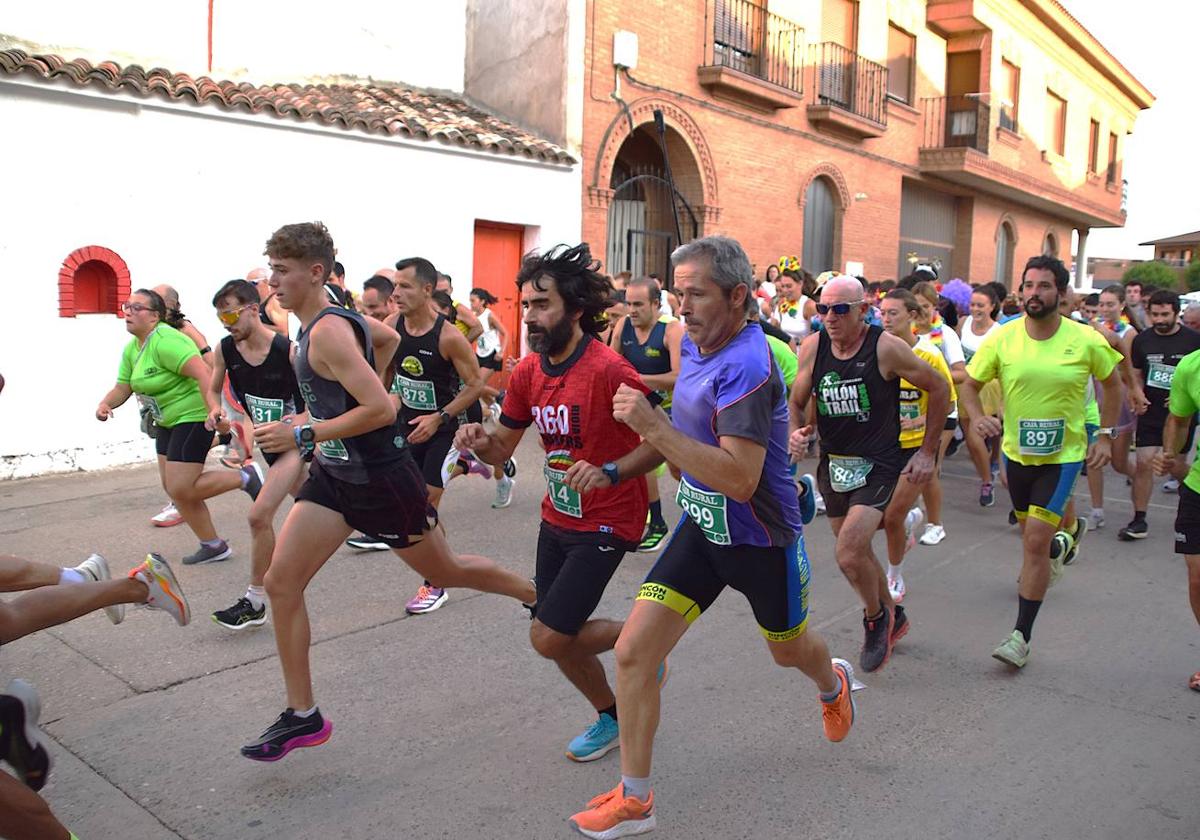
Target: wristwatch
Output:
[
  {"x": 306, "y": 441},
  {"x": 610, "y": 470},
  {"x": 1108, "y": 431},
  {"x": 443, "y": 417}
]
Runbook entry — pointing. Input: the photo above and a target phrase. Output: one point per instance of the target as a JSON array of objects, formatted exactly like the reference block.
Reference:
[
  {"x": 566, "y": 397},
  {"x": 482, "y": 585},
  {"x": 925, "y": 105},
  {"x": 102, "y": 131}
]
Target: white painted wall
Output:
[
  {"x": 262, "y": 41},
  {"x": 189, "y": 197}
]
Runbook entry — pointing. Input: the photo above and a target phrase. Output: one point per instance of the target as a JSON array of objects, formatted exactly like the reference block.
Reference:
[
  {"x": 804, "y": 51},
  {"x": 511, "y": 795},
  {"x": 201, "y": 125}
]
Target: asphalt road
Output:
[{"x": 449, "y": 725}]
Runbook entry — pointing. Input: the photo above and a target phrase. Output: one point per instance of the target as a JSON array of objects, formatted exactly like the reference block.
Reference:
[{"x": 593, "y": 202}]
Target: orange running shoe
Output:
[
  {"x": 838, "y": 716},
  {"x": 614, "y": 814}
]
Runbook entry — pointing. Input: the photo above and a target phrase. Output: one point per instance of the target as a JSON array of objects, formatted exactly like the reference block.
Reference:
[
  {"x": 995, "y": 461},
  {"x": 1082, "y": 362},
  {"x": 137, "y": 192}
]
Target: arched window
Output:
[
  {"x": 1006, "y": 243},
  {"x": 92, "y": 280},
  {"x": 1050, "y": 245},
  {"x": 820, "y": 226}
]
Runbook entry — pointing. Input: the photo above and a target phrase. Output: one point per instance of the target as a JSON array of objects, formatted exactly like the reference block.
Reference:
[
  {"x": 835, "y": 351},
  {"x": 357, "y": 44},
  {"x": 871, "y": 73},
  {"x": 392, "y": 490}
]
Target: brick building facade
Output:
[{"x": 862, "y": 135}]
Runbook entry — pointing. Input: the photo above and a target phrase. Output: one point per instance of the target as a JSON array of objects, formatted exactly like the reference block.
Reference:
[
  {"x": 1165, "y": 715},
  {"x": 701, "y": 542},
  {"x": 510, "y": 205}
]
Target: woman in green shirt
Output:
[{"x": 163, "y": 368}]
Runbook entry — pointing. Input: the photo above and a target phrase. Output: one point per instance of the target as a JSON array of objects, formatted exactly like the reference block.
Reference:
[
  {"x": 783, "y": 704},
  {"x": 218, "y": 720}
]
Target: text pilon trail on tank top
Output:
[{"x": 843, "y": 398}]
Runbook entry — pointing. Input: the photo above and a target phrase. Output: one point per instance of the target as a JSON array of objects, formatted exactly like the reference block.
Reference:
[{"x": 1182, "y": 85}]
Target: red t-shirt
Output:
[{"x": 571, "y": 405}]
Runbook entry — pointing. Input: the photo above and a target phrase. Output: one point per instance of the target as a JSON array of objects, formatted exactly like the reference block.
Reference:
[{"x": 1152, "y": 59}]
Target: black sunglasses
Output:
[{"x": 837, "y": 308}]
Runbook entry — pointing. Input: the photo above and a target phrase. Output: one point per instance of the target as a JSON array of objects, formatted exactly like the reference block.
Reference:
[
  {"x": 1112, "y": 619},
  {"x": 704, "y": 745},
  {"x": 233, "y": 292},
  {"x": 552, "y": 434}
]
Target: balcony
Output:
[
  {"x": 956, "y": 146},
  {"x": 753, "y": 57},
  {"x": 849, "y": 92}
]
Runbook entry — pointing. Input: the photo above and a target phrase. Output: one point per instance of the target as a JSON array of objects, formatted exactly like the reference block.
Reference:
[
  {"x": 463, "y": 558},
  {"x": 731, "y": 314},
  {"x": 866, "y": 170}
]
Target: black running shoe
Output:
[
  {"x": 1012, "y": 517},
  {"x": 899, "y": 625},
  {"x": 365, "y": 543},
  {"x": 287, "y": 733},
  {"x": 22, "y": 744},
  {"x": 254, "y": 479},
  {"x": 877, "y": 645},
  {"x": 241, "y": 615},
  {"x": 510, "y": 468},
  {"x": 1135, "y": 530}
]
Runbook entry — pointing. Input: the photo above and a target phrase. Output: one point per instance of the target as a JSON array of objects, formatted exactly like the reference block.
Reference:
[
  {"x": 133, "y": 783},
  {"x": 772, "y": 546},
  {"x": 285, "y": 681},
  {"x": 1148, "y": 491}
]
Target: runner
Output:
[
  {"x": 270, "y": 312},
  {"x": 257, "y": 361},
  {"x": 465, "y": 322},
  {"x": 985, "y": 306},
  {"x": 491, "y": 349},
  {"x": 566, "y": 387},
  {"x": 1177, "y": 430},
  {"x": 377, "y": 297},
  {"x": 941, "y": 335},
  {"x": 432, "y": 361},
  {"x": 794, "y": 310},
  {"x": 1156, "y": 354},
  {"x": 854, "y": 369},
  {"x": 163, "y": 368},
  {"x": 652, "y": 347},
  {"x": 362, "y": 475},
  {"x": 901, "y": 519},
  {"x": 741, "y": 527},
  {"x": 1042, "y": 362}
]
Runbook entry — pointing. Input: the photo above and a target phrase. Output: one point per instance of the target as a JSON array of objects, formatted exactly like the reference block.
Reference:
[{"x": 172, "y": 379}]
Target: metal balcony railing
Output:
[
  {"x": 846, "y": 80},
  {"x": 744, "y": 36},
  {"x": 953, "y": 122}
]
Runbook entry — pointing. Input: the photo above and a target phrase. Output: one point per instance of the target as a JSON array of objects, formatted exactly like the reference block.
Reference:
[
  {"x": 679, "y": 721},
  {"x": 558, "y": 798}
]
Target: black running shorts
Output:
[
  {"x": 393, "y": 507},
  {"x": 876, "y": 493},
  {"x": 573, "y": 568},
  {"x": 1187, "y": 521},
  {"x": 184, "y": 442},
  {"x": 1150, "y": 433},
  {"x": 1041, "y": 490},
  {"x": 431, "y": 454},
  {"x": 692, "y": 572},
  {"x": 491, "y": 360}
]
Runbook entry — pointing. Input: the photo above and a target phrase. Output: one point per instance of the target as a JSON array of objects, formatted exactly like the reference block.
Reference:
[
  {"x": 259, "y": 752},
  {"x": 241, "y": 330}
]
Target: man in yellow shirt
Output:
[
  {"x": 1043, "y": 362},
  {"x": 901, "y": 519}
]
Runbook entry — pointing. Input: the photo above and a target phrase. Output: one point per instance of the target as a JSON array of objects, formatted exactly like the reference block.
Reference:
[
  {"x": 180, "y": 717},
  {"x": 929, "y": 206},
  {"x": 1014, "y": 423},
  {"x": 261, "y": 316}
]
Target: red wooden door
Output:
[{"x": 498, "y": 250}]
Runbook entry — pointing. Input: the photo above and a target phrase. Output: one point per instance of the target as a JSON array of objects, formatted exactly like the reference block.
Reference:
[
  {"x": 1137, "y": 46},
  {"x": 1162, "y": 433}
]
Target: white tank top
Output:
[
  {"x": 797, "y": 325},
  {"x": 970, "y": 341}
]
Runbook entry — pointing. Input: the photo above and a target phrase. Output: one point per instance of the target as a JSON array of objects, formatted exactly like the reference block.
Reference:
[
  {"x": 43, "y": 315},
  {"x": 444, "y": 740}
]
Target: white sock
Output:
[
  {"x": 73, "y": 576},
  {"x": 306, "y": 713},
  {"x": 257, "y": 595},
  {"x": 896, "y": 572}
]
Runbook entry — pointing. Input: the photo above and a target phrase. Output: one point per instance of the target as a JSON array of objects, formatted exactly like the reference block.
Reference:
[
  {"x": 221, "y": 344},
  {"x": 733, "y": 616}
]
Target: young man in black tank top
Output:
[
  {"x": 652, "y": 347},
  {"x": 258, "y": 362},
  {"x": 853, "y": 370},
  {"x": 433, "y": 358},
  {"x": 362, "y": 475}
]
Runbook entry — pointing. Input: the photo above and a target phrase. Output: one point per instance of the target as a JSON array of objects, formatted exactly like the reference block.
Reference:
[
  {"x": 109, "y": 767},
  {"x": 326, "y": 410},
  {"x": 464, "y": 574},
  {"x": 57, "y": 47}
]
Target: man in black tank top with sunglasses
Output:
[
  {"x": 258, "y": 362},
  {"x": 849, "y": 376},
  {"x": 361, "y": 476}
]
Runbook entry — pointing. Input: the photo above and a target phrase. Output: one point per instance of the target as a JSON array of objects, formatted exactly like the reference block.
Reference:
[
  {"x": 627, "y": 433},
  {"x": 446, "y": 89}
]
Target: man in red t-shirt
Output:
[{"x": 565, "y": 388}]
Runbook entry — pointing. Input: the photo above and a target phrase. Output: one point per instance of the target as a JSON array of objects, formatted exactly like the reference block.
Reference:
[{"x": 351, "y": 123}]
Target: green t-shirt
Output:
[
  {"x": 1044, "y": 384},
  {"x": 785, "y": 358},
  {"x": 1185, "y": 402},
  {"x": 153, "y": 373}
]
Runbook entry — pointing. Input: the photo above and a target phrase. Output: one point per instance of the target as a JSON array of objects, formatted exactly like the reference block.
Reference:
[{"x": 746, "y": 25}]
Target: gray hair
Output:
[{"x": 728, "y": 265}]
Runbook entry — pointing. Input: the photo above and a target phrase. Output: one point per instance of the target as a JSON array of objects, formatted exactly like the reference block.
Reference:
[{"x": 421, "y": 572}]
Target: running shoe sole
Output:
[
  {"x": 900, "y": 632},
  {"x": 436, "y": 605},
  {"x": 254, "y": 622},
  {"x": 165, "y": 523},
  {"x": 314, "y": 740},
  {"x": 595, "y": 755},
  {"x": 1130, "y": 536},
  {"x": 32, "y": 759},
  {"x": 216, "y": 558},
  {"x": 170, "y": 585},
  {"x": 628, "y": 828},
  {"x": 848, "y": 671}
]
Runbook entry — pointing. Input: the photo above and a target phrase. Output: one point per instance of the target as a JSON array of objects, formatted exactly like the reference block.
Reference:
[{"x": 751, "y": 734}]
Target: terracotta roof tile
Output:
[{"x": 373, "y": 109}]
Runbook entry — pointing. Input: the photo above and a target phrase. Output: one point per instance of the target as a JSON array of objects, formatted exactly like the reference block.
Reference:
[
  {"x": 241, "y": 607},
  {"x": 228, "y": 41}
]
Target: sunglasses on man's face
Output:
[
  {"x": 231, "y": 317},
  {"x": 837, "y": 308}
]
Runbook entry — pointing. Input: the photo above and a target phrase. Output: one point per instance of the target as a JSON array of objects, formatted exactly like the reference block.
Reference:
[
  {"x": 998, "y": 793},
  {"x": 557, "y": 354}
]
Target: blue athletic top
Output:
[{"x": 738, "y": 392}]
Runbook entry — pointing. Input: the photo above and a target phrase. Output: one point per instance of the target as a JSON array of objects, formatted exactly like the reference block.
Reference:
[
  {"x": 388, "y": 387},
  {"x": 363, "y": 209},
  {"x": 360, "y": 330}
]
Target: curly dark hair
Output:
[
  {"x": 578, "y": 280},
  {"x": 1062, "y": 277}
]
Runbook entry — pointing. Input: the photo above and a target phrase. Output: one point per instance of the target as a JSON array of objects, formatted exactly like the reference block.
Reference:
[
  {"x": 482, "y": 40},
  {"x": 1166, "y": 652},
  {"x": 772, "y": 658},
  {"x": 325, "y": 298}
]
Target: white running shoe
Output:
[
  {"x": 1171, "y": 485},
  {"x": 96, "y": 568},
  {"x": 933, "y": 535},
  {"x": 1095, "y": 519},
  {"x": 820, "y": 500},
  {"x": 167, "y": 517},
  {"x": 504, "y": 488},
  {"x": 912, "y": 521},
  {"x": 896, "y": 589}
]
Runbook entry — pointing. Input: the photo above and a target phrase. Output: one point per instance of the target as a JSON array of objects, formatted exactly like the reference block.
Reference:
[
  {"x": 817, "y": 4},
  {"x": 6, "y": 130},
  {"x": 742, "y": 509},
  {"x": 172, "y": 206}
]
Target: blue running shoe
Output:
[
  {"x": 808, "y": 498},
  {"x": 597, "y": 741}
]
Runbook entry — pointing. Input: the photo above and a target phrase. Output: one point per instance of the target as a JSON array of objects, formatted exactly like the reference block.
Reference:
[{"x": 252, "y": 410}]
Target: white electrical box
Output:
[{"x": 625, "y": 49}]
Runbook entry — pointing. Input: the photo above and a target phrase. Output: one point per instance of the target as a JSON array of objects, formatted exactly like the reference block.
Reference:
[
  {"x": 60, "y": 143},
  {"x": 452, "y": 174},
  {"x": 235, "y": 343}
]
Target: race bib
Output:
[
  {"x": 1160, "y": 376},
  {"x": 334, "y": 449},
  {"x": 848, "y": 473},
  {"x": 565, "y": 499},
  {"x": 910, "y": 411},
  {"x": 1041, "y": 437},
  {"x": 263, "y": 410},
  {"x": 150, "y": 404},
  {"x": 414, "y": 393},
  {"x": 708, "y": 509}
]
